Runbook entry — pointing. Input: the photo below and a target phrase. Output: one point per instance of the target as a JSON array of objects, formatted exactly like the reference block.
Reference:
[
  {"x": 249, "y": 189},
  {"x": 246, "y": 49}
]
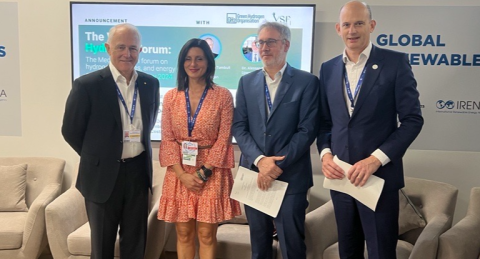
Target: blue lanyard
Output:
[
  {"x": 191, "y": 120},
  {"x": 359, "y": 84},
  {"x": 269, "y": 100},
  {"x": 134, "y": 102}
]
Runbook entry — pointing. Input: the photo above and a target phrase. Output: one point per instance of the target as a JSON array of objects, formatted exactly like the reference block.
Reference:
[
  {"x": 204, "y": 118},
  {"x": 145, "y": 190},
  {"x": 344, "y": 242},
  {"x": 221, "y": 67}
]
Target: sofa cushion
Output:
[
  {"x": 234, "y": 242},
  {"x": 78, "y": 242},
  {"x": 13, "y": 181},
  {"x": 409, "y": 217},
  {"x": 12, "y": 225}
]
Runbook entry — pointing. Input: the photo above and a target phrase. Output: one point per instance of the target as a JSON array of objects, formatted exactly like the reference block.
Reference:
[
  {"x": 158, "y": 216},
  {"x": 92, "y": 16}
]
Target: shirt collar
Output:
[
  {"x": 365, "y": 54},
  {"x": 117, "y": 76},
  {"x": 279, "y": 73}
]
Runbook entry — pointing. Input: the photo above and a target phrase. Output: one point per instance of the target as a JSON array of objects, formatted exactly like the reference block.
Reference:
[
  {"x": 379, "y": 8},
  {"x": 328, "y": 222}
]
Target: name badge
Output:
[
  {"x": 189, "y": 153},
  {"x": 131, "y": 136}
]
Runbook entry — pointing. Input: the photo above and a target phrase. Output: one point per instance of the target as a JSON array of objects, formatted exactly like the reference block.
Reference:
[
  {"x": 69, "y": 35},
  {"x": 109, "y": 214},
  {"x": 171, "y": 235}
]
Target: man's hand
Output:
[
  {"x": 362, "y": 170},
  {"x": 330, "y": 169},
  {"x": 268, "y": 171}
]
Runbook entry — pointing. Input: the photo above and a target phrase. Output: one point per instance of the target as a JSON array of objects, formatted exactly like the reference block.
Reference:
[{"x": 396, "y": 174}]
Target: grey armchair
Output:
[
  {"x": 69, "y": 232},
  {"x": 23, "y": 233},
  {"x": 435, "y": 201},
  {"x": 462, "y": 241}
]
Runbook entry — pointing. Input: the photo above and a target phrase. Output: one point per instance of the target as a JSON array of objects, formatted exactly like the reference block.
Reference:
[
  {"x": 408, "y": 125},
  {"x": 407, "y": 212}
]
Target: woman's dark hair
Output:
[{"x": 182, "y": 77}]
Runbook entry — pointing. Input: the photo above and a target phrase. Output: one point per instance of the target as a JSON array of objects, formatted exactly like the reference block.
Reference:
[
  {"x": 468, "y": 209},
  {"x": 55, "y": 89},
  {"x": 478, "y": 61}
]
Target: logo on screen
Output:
[
  {"x": 3, "y": 52},
  {"x": 285, "y": 19},
  {"x": 231, "y": 18},
  {"x": 448, "y": 104},
  {"x": 234, "y": 18}
]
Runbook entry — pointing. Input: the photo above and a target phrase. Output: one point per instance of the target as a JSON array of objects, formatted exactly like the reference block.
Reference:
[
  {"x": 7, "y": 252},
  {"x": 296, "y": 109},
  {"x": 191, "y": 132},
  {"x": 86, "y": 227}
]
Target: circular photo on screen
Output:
[
  {"x": 250, "y": 51},
  {"x": 214, "y": 43}
]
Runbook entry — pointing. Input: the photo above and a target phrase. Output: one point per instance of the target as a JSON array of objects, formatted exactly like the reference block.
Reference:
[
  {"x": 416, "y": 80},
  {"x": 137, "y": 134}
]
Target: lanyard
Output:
[
  {"x": 134, "y": 102},
  {"x": 191, "y": 120},
  {"x": 359, "y": 84},
  {"x": 269, "y": 100}
]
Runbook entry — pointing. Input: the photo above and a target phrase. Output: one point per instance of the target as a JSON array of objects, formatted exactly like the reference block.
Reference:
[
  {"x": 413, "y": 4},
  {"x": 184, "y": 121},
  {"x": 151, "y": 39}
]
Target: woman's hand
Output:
[{"x": 191, "y": 182}]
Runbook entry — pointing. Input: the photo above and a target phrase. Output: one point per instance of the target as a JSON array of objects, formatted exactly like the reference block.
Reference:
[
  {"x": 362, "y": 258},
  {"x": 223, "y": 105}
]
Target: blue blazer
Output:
[
  {"x": 93, "y": 127},
  {"x": 389, "y": 91},
  {"x": 288, "y": 131}
]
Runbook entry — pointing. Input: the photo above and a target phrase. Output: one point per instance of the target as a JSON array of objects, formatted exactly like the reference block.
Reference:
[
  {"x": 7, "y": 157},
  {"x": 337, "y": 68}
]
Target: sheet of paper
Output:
[
  {"x": 245, "y": 190},
  {"x": 367, "y": 194}
]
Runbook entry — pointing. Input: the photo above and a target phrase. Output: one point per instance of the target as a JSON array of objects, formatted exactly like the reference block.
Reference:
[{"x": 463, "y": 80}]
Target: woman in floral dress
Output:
[{"x": 197, "y": 150}]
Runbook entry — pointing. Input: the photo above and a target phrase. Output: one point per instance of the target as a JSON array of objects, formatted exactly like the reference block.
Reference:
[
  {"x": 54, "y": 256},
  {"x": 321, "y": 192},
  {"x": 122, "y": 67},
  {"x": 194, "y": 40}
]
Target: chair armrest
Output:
[
  {"x": 158, "y": 232},
  {"x": 63, "y": 216},
  {"x": 426, "y": 246},
  {"x": 34, "y": 232},
  {"x": 461, "y": 241},
  {"x": 320, "y": 230}
]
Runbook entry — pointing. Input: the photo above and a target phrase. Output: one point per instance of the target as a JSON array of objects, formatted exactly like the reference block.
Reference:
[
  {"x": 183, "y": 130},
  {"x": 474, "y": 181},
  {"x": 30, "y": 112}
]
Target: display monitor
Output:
[{"x": 229, "y": 28}]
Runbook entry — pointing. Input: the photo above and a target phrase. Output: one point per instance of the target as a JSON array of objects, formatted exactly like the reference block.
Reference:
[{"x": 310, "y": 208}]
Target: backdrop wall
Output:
[{"x": 45, "y": 81}]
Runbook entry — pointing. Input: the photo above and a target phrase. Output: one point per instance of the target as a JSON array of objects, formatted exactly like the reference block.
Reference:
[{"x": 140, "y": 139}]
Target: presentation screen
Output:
[{"x": 231, "y": 30}]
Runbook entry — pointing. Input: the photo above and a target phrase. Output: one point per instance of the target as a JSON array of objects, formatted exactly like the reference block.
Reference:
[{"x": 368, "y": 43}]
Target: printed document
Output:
[
  {"x": 367, "y": 194},
  {"x": 245, "y": 190}
]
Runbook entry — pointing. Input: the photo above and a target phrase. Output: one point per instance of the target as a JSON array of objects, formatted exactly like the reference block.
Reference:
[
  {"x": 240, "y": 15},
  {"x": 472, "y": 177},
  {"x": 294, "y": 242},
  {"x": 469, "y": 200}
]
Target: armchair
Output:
[
  {"x": 461, "y": 241},
  {"x": 23, "y": 233},
  {"x": 69, "y": 232},
  {"x": 434, "y": 200}
]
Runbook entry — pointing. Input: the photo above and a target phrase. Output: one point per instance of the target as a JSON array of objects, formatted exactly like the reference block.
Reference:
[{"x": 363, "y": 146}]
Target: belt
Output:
[
  {"x": 199, "y": 147},
  {"x": 130, "y": 159}
]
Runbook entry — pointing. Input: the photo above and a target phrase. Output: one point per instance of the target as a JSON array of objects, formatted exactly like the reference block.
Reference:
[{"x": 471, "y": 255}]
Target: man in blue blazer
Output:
[
  {"x": 362, "y": 93},
  {"x": 108, "y": 118},
  {"x": 274, "y": 125}
]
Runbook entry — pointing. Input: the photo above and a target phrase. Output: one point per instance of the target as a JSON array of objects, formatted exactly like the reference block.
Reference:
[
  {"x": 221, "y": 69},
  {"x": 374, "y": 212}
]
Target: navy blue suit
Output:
[
  {"x": 288, "y": 131},
  {"x": 388, "y": 92}
]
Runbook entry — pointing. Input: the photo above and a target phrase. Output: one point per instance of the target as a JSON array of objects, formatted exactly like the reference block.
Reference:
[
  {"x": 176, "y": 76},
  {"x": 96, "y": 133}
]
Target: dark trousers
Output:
[
  {"x": 126, "y": 208},
  {"x": 358, "y": 224},
  {"x": 290, "y": 225}
]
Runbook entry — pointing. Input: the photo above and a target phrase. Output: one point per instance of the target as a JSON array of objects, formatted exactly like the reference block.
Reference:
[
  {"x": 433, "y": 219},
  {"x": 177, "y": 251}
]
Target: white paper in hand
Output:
[
  {"x": 367, "y": 194},
  {"x": 245, "y": 190}
]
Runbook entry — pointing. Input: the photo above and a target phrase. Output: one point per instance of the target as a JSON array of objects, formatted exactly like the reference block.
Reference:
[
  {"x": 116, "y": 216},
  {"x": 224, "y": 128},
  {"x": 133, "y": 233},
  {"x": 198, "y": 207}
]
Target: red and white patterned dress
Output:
[{"x": 212, "y": 127}]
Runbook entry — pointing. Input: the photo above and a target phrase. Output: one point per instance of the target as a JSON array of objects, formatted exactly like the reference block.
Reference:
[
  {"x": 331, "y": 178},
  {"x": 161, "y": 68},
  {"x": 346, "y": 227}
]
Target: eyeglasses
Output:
[{"x": 270, "y": 42}]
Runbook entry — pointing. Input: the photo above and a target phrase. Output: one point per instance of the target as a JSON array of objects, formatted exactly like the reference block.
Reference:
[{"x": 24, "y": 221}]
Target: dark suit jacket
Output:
[
  {"x": 288, "y": 131},
  {"x": 387, "y": 92},
  {"x": 93, "y": 128}
]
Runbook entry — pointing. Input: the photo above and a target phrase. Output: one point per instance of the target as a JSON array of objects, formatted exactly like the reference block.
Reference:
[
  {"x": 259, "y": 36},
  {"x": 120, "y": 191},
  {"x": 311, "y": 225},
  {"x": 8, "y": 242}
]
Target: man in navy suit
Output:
[
  {"x": 108, "y": 118},
  {"x": 362, "y": 93},
  {"x": 274, "y": 125}
]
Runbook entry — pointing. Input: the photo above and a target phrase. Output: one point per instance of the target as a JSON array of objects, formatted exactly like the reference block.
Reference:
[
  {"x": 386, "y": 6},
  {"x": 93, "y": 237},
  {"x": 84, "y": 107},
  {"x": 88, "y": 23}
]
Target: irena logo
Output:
[
  {"x": 3, "y": 94},
  {"x": 448, "y": 104},
  {"x": 3, "y": 52}
]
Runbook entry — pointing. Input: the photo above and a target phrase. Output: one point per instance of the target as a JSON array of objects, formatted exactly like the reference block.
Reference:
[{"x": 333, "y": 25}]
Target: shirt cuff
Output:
[
  {"x": 258, "y": 159},
  {"x": 325, "y": 151},
  {"x": 384, "y": 159}
]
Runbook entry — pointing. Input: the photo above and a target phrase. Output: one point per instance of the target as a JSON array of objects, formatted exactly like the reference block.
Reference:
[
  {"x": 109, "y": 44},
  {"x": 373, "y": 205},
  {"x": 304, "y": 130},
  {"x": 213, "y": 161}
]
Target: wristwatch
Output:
[{"x": 207, "y": 172}]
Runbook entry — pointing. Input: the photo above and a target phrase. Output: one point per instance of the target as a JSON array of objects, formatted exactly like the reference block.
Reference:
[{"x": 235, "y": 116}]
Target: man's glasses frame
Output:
[{"x": 270, "y": 42}]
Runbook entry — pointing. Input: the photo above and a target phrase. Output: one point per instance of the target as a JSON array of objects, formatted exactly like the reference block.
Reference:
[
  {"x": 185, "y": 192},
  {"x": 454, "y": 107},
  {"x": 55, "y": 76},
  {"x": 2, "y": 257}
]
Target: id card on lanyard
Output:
[
  {"x": 189, "y": 148},
  {"x": 131, "y": 134}
]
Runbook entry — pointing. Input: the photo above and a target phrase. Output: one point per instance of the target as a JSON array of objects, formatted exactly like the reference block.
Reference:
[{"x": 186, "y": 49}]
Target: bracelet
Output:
[{"x": 201, "y": 176}]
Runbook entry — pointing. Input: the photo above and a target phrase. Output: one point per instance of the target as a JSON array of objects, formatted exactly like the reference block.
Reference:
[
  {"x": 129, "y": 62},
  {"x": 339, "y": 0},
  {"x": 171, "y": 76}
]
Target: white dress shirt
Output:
[
  {"x": 272, "y": 85},
  {"x": 130, "y": 149},
  {"x": 354, "y": 71}
]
